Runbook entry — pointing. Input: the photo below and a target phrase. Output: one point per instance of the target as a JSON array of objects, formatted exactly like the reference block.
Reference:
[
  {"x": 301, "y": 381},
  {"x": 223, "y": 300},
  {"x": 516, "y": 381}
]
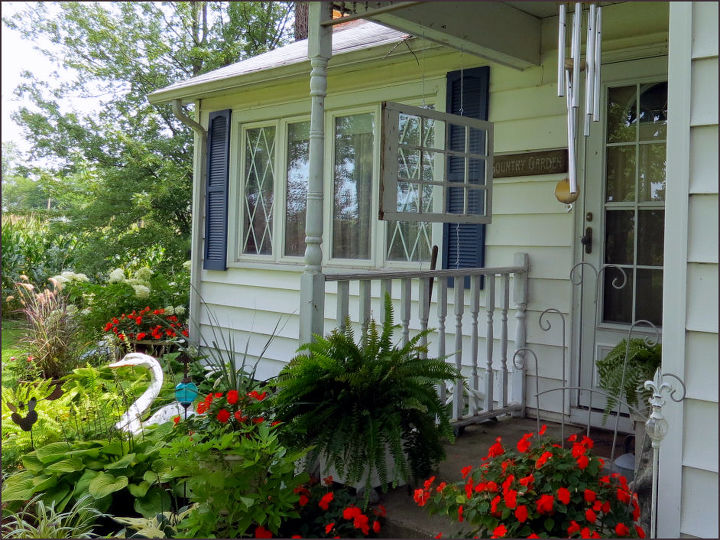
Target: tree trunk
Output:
[{"x": 301, "y": 20}]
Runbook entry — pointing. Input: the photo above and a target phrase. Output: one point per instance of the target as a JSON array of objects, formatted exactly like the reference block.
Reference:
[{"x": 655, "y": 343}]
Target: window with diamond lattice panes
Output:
[
  {"x": 297, "y": 174},
  {"x": 259, "y": 176}
]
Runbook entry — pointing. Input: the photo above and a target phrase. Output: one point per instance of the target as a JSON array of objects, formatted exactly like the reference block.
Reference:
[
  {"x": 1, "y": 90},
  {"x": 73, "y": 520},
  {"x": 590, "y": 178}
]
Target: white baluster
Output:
[
  {"x": 364, "y": 311},
  {"x": 343, "y": 302},
  {"x": 474, "y": 308},
  {"x": 504, "y": 338},
  {"x": 424, "y": 308},
  {"x": 489, "y": 375},
  {"x": 385, "y": 289},
  {"x": 442, "y": 314},
  {"x": 405, "y": 298},
  {"x": 458, "y": 406}
]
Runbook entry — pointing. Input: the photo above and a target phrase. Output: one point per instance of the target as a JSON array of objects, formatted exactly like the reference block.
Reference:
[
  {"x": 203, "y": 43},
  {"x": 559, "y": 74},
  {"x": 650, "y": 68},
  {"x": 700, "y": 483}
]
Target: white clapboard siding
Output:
[
  {"x": 704, "y": 160},
  {"x": 702, "y": 370},
  {"x": 699, "y": 515},
  {"x": 697, "y": 452},
  {"x": 703, "y": 229}
]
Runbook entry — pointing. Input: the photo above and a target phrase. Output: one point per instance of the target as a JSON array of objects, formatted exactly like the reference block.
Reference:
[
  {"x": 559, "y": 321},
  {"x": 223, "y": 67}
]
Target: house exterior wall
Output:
[
  {"x": 689, "y": 456},
  {"x": 252, "y": 295}
]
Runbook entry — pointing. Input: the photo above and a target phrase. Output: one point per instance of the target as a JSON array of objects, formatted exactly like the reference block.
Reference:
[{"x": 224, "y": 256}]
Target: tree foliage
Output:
[{"x": 120, "y": 169}]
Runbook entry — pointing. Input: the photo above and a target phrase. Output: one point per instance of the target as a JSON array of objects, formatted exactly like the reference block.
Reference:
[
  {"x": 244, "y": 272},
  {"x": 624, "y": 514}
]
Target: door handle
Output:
[{"x": 586, "y": 240}]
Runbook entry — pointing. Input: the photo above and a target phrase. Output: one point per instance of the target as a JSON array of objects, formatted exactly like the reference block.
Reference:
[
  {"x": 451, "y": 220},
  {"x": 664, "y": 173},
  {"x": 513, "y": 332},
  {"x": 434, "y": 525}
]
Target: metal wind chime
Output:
[{"x": 569, "y": 79}]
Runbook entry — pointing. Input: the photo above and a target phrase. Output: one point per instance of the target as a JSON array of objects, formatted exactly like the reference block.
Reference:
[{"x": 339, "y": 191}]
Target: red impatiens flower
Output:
[
  {"x": 329, "y": 527},
  {"x": 527, "y": 480},
  {"x": 511, "y": 499},
  {"x": 589, "y": 496},
  {"x": 258, "y": 420},
  {"x": 218, "y": 394},
  {"x": 623, "y": 496},
  {"x": 494, "y": 503},
  {"x": 499, "y": 532},
  {"x": 262, "y": 532},
  {"x": 640, "y": 532},
  {"x": 496, "y": 449},
  {"x": 141, "y": 335},
  {"x": 303, "y": 500},
  {"x": 543, "y": 459},
  {"x": 239, "y": 416},
  {"x": 533, "y": 535},
  {"x": 460, "y": 513},
  {"x": 469, "y": 488},
  {"x": 521, "y": 513},
  {"x": 232, "y": 397},
  {"x": 325, "y": 500},
  {"x": 351, "y": 511},
  {"x": 491, "y": 486},
  {"x": 441, "y": 486},
  {"x": 223, "y": 415},
  {"x": 176, "y": 420},
  {"x": 202, "y": 407},
  {"x": 563, "y": 495},
  {"x": 621, "y": 529},
  {"x": 465, "y": 471},
  {"x": 582, "y": 462},
  {"x": 523, "y": 444},
  {"x": 578, "y": 450},
  {"x": 585, "y": 532},
  {"x": 573, "y": 528},
  {"x": 572, "y": 438},
  {"x": 361, "y": 522},
  {"x": 376, "y": 527},
  {"x": 542, "y": 430},
  {"x": 606, "y": 507},
  {"x": 255, "y": 395},
  {"x": 590, "y": 516},
  {"x": 421, "y": 496},
  {"x": 545, "y": 504}
]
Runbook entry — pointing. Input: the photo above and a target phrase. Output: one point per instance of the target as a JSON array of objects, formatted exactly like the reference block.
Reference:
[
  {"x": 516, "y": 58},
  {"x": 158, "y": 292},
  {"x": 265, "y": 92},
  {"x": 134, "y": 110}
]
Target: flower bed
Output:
[{"x": 539, "y": 489}]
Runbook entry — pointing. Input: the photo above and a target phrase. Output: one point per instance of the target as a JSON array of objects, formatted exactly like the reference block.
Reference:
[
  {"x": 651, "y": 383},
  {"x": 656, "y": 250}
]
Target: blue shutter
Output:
[
  {"x": 216, "y": 192},
  {"x": 464, "y": 244}
]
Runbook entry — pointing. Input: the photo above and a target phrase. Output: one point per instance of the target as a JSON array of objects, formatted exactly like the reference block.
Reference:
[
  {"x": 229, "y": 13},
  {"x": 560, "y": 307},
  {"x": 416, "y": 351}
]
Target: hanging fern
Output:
[
  {"x": 356, "y": 401},
  {"x": 642, "y": 361}
]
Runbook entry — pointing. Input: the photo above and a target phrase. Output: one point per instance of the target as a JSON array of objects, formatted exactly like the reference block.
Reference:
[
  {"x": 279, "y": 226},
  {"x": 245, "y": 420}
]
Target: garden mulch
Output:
[{"x": 407, "y": 520}]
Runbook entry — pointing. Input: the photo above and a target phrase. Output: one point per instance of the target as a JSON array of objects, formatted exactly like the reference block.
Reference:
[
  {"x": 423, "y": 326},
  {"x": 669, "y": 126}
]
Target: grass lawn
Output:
[{"x": 12, "y": 331}]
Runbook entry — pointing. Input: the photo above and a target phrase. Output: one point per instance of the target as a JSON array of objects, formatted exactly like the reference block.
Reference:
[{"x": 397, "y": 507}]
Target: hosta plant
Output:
[
  {"x": 538, "y": 490},
  {"x": 358, "y": 402}
]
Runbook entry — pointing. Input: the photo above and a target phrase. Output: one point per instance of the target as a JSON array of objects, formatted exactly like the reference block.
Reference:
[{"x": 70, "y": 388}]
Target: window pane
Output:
[
  {"x": 650, "y": 237},
  {"x": 649, "y": 296},
  {"x": 259, "y": 181},
  {"x": 298, "y": 151},
  {"x": 620, "y": 174},
  {"x": 653, "y": 111},
  {"x": 408, "y": 241},
  {"x": 617, "y": 305},
  {"x": 651, "y": 172},
  {"x": 352, "y": 186},
  {"x": 619, "y": 236},
  {"x": 621, "y": 114}
]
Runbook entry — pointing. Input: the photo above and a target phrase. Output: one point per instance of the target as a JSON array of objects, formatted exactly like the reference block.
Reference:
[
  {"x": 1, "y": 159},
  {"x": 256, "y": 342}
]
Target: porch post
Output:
[{"x": 312, "y": 282}]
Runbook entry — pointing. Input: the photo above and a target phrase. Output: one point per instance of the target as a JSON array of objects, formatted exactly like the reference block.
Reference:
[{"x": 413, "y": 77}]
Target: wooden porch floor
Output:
[{"x": 407, "y": 520}]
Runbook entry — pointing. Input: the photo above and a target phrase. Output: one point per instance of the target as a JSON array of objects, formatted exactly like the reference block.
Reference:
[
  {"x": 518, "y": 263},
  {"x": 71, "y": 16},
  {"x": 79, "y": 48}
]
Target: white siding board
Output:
[
  {"x": 701, "y": 370},
  {"x": 704, "y": 101},
  {"x": 702, "y": 297},
  {"x": 530, "y": 134},
  {"x": 699, "y": 514},
  {"x": 701, "y": 426},
  {"x": 270, "y": 275},
  {"x": 252, "y": 320},
  {"x": 552, "y": 230},
  {"x": 523, "y": 103},
  {"x": 256, "y": 298},
  {"x": 704, "y": 159},
  {"x": 703, "y": 229},
  {"x": 536, "y": 197},
  {"x": 545, "y": 262},
  {"x": 705, "y": 31}
]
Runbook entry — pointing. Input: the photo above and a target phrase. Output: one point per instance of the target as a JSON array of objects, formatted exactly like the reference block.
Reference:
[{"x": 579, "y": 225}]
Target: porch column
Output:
[{"x": 312, "y": 282}]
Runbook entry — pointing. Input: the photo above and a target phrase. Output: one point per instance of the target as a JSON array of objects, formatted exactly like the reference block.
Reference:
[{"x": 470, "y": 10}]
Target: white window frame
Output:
[
  {"x": 239, "y": 199},
  {"x": 389, "y": 166}
]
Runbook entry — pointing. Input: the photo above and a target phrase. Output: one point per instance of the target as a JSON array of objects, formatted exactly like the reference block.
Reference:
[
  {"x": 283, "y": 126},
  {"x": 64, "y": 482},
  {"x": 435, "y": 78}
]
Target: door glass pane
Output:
[
  {"x": 650, "y": 237},
  {"x": 352, "y": 186},
  {"x": 649, "y": 296},
  {"x": 653, "y": 111},
  {"x": 259, "y": 181},
  {"x": 651, "y": 172},
  {"x": 617, "y": 305},
  {"x": 620, "y": 185},
  {"x": 298, "y": 151},
  {"x": 621, "y": 114},
  {"x": 619, "y": 236}
]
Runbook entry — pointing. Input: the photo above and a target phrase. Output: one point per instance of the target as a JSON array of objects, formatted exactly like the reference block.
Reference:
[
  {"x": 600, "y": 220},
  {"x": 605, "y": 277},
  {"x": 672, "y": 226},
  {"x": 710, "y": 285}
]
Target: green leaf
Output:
[
  {"x": 60, "y": 495},
  {"x": 32, "y": 463},
  {"x": 18, "y": 487},
  {"x": 105, "y": 484},
  {"x": 154, "y": 502},
  {"x": 53, "y": 452},
  {"x": 114, "y": 448},
  {"x": 66, "y": 466},
  {"x": 83, "y": 484},
  {"x": 150, "y": 477},
  {"x": 139, "y": 490},
  {"x": 549, "y": 524},
  {"x": 43, "y": 483},
  {"x": 126, "y": 461}
]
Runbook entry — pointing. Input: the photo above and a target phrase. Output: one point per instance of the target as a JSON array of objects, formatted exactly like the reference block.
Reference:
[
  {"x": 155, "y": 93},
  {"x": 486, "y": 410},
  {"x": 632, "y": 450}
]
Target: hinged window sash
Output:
[{"x": 430, "y": 157}]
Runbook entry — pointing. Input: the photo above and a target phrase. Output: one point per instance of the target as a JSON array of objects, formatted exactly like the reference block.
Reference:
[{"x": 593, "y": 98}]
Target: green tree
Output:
[
  {"x": 20, "y": 194},
  {"x": 121, "y": 171}
]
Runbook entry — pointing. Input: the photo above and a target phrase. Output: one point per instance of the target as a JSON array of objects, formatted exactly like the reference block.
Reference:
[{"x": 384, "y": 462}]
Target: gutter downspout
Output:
[{"x": 199, "y": 179}]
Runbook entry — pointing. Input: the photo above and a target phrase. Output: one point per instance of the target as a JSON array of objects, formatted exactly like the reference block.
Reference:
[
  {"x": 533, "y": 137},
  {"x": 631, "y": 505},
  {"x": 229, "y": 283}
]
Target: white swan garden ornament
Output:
[{"x": 130, "y": 421}]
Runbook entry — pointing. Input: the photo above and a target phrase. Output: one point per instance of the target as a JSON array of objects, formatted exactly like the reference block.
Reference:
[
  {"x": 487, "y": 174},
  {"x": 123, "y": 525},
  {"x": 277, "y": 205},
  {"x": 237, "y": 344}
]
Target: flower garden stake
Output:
[{"x": 657, "y": 427}]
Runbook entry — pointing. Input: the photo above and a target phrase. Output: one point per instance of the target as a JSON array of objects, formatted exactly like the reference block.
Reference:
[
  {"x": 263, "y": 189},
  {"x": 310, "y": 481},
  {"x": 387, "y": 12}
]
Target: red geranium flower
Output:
[
  {"x": 563, "y": 495},
  {"x": 543, "y": 459},
  {"x": 141, "y": 335},
  {"x": 262, "y": 532},
  {"x": 202, "y": 407},
  {"x": 257, "y": 396},
  {"x": 545, "y": 504},
  {"x": 582, "y": 462},
  {"x": 376, "y": 527},
  {"x": 511, "y": 499},
  {"x": 351, "y": 511},
  {"x": 329, "y": 527},
  {"x": 460, "y": 513},
  {"x": 499, "y": 531},
  {"x": 496, "y": 449},
  {"x": 465, "y": 471},
  {"x": 573, "y": 528},
  {"x": 223, "y": 415},
  {"x": 589, "y": 496},
  {"x": 590, "y": 516},
  {"x": 585, "y": 532},
  {"x": 578, "y": 450},
  {"x": 239, "y": 416},
  {"x": 623, "y": 496},
  {"x": 521, "y": 513},
  {"x": 621, "y": 529},
  {"x": 176, "y": 420},
  {"x": 232, "y": 397},
  {"x": 325, "y": 500}
]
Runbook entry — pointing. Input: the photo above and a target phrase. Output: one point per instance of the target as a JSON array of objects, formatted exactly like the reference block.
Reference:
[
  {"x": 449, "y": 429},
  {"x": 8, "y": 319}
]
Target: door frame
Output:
[{"x": 614, "y": 74}]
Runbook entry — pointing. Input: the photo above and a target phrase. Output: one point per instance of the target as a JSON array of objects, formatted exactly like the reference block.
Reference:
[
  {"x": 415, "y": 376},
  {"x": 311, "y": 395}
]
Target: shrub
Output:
[
  {"x": 538, "y": 490},
  {"x": 38, "y": 520},
  {"x": 355, "y": 402}
]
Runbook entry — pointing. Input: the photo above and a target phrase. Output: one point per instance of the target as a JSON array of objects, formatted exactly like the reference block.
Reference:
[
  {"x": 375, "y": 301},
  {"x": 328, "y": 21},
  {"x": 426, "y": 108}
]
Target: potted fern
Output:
[
  {"x": 363, "y": 406},
  {"x": 643, "y": 359}
]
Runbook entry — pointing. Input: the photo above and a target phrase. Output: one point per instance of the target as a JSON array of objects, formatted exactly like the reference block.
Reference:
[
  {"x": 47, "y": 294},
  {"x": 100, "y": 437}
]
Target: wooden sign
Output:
[{"x": 530, "y": 163}]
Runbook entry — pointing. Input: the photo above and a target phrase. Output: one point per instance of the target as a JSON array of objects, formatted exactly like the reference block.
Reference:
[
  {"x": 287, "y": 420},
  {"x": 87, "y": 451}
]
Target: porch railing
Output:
[{"x": 491, "y": 389}]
